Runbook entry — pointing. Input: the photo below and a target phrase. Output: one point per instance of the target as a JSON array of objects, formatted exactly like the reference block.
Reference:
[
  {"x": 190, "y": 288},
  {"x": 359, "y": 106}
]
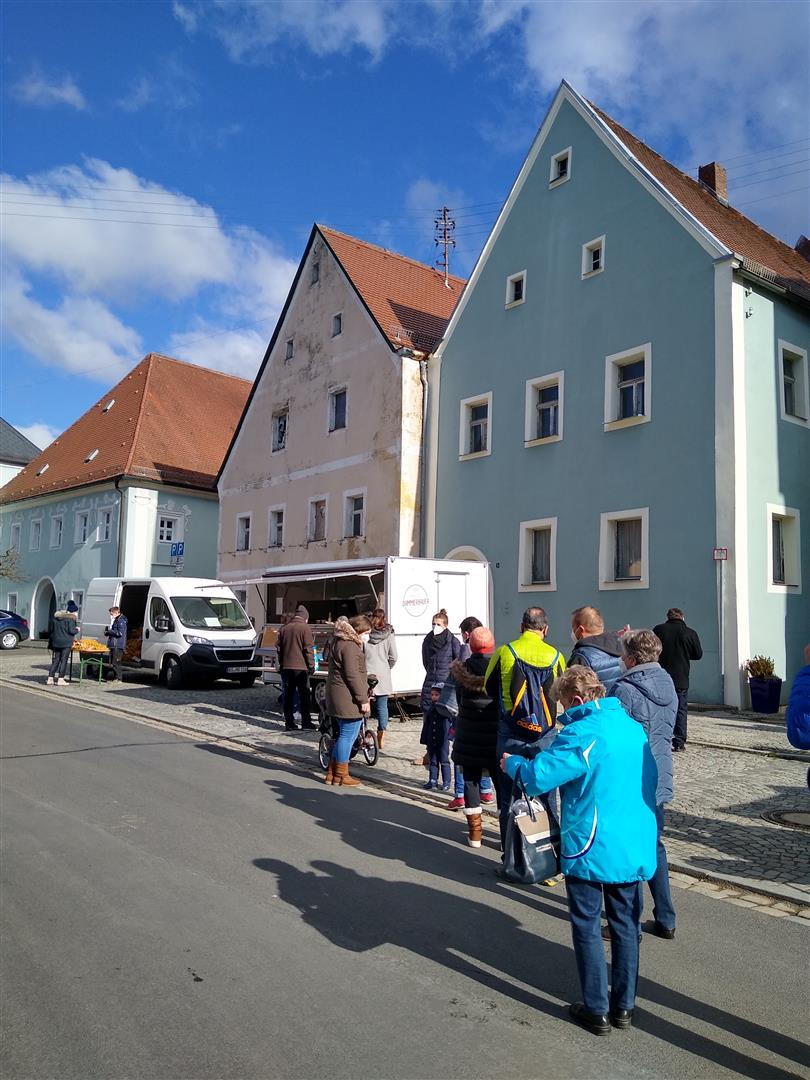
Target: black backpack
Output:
[{"x": 530, "y": 709}]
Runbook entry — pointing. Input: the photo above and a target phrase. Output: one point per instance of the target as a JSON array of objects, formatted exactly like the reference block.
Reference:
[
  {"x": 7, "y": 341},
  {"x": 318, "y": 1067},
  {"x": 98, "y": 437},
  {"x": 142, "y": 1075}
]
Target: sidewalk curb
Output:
[
  {"x": 786, "y": 755},
  {"x": 400, "y": 789}
]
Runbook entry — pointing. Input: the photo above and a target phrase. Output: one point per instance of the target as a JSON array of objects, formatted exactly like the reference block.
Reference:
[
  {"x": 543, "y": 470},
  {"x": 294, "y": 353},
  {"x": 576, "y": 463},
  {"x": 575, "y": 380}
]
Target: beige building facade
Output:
[{"x": 326, "y": 463}]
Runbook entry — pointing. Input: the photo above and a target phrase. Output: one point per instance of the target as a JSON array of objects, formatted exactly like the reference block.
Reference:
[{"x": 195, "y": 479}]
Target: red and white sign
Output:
[{"x": 720, "y": 554}]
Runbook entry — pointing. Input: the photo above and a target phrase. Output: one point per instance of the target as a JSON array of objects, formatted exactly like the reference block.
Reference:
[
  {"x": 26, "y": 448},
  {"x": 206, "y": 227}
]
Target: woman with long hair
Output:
[
  {"x": 347, "y": 693},
  {"x": 381, "y": 655}
]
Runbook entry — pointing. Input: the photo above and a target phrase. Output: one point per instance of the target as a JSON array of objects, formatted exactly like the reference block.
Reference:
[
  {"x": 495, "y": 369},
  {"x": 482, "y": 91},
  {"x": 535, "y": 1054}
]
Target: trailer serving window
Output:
[
  {"x": 210, "y": 613},
  {"x": 325, "y": 598}
]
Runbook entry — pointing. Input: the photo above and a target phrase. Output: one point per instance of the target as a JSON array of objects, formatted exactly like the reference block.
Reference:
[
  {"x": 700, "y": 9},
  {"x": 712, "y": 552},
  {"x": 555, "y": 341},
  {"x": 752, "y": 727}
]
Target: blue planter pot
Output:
[{"x": 765, "y": 694}]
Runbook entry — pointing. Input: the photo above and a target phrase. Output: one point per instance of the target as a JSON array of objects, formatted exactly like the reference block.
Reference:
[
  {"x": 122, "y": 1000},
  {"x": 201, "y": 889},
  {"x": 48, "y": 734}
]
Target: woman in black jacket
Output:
[
  {"x": 439, "y": 649},
  {"x": 474, "y": 749}
]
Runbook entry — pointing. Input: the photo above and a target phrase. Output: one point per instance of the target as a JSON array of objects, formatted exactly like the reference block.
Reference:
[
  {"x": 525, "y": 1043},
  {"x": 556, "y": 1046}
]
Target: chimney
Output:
[
  {"x": 713, "y": 177},
  {"x": 803, "y": 247}
]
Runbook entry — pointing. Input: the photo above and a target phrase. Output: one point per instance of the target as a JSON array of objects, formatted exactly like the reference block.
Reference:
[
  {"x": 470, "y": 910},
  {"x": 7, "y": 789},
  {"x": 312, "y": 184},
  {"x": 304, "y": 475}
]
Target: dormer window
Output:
[
  {"x": 90, "y": 456},
  {"x": 560, "y": 169},
  {"x": 43, "y": 469},
  {"x": 109, "y": 405}
]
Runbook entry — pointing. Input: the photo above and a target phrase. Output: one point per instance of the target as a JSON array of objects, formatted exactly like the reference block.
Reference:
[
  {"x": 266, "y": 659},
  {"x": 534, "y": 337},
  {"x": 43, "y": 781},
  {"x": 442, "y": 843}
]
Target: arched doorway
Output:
[
  {"x": 468, "y": 553},
  {"x": 43, "y": 606}
]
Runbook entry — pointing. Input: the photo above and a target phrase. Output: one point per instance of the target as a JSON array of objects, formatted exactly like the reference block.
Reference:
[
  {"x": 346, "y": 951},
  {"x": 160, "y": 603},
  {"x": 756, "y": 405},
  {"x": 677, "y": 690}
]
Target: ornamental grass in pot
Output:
[{"x": 765, "y": 687}]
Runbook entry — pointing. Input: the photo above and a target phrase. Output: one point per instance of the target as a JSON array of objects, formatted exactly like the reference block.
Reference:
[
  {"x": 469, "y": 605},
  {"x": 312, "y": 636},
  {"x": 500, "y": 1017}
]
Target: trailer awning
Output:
[{"x": 284, "y": 578}]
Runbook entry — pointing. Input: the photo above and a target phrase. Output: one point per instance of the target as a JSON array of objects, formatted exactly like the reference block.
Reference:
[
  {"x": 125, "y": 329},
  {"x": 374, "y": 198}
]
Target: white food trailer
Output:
[{"x": 411, "y": 591}]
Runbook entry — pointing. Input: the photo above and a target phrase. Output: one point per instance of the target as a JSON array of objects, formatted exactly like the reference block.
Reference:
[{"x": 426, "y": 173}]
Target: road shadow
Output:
[{"x": 359, "y": 913}]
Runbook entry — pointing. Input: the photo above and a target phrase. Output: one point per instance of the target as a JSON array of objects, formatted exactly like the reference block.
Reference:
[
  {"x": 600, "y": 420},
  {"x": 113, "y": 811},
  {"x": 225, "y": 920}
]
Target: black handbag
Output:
[{"x": 532, "y": 845}]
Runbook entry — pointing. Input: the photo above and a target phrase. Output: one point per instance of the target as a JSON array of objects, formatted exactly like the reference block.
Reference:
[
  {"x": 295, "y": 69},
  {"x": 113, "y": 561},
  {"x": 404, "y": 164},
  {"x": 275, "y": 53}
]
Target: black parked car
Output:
[{"x": 13, "y": 630}]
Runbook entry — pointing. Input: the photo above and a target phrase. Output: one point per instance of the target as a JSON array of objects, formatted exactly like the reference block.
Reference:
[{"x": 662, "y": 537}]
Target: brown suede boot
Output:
[
  {"x": 474, "y": 827},
  {"x": 342, "y": 778},
  {"x": 380, "y": 737},
  {"x": 330, "y": 773}
]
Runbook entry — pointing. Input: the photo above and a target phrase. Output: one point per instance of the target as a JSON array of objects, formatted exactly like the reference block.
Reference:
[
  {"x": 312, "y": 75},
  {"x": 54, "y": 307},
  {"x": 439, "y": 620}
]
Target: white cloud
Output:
[
  {"x": 169, "y": 84},
  {"x": 237, "y": 352},
  {"x": 248, "y": 30},
  {"x": 38, "y": 89},
  {"x": 41, "y": 435}
]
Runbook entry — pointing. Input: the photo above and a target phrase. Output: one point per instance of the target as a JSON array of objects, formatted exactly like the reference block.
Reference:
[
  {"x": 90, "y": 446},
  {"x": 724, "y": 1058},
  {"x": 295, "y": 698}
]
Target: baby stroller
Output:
[{"x": 365, "y": 741}]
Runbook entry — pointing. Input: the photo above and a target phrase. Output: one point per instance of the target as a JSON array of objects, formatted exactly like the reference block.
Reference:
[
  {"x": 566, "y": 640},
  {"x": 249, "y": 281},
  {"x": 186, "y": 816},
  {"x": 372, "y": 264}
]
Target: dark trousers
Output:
[
  {"x": 296, "y": 681},
  {"x": 663, "y": 909},
  {"x": 59, "y": 663},
  {"x": 472, "y": 784},
  {"x": 623, "y": 909},
  {"x": 439, "y": 758},
  {"x": 116, "y": 662},
  {"x": 679, "y": 734}
]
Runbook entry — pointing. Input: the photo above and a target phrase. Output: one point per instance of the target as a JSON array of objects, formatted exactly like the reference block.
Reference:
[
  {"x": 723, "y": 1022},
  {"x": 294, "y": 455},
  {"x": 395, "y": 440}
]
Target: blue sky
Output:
[{"x": 163, "y": 162}]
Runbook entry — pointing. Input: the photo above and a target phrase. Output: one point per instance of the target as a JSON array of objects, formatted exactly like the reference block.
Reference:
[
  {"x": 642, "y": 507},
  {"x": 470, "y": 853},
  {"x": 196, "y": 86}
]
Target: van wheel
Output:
[
  {"x": 246, "y": 681},
  {"x": 172, "y": 673}
]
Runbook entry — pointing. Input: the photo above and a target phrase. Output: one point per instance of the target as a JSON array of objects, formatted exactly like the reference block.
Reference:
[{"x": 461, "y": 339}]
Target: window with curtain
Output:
[
  {"x": 778, "y": 551},
  {"x": 627, "y": 563},
  {"x": 541, "y": 556}
]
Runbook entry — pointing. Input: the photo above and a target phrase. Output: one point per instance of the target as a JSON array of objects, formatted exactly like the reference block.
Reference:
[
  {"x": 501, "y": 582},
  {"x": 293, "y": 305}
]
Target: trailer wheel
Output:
[{"x": 172, "y": 673}]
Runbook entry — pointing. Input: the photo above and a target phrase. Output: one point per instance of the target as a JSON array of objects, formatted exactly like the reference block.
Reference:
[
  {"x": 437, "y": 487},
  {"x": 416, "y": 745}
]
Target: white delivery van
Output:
[
  {"x": 411, "y": 591},
  {"x": 182, "y": 629}
]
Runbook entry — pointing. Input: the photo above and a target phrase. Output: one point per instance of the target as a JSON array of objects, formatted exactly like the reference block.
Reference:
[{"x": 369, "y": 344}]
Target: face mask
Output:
[
  {"x": 438, "y": 628},
  {"x": 574, "y": 637},
  {"x": 365, "y": 637},
  {"x": 622, "y": 665}
]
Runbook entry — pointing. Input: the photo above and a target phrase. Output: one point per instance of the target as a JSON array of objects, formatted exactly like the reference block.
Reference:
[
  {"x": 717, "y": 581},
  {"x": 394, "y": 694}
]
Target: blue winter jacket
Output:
[
  {"x": 602, "y": 763},
  {"x": 648, "y": 694},
  {"x": 599, "y": 652},
  {"x": 797, "y": 716}
]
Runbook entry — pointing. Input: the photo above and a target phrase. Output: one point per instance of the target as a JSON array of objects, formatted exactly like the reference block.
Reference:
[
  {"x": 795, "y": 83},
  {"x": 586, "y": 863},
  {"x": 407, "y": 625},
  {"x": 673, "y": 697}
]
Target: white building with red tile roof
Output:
[
  {"x": 327, "y": 461},
  {"x": 130, "y": 478}
]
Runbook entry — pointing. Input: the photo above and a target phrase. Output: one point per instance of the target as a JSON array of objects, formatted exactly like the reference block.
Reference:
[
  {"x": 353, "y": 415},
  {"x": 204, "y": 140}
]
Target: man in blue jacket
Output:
[
  {"x": 116, "y": 640},
  {"x": 602, "y": 763},
  {"x": 595, "y": 647},
  {"x": 648, "y": 694}
]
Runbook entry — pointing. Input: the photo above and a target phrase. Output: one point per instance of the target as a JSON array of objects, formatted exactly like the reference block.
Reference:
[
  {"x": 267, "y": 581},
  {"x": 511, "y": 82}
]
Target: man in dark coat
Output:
[
  {"x": 680, "y": 644},
  {"x": 116, "y": 640},
  {"x": 296, "y": 661},
  {"x": 63, "y": 629},
  {"x": 595, "y": 647}
]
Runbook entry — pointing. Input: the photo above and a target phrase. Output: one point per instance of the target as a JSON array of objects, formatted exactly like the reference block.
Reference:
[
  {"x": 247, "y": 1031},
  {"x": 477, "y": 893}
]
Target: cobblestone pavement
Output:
[{"x": 716, "y": 826}]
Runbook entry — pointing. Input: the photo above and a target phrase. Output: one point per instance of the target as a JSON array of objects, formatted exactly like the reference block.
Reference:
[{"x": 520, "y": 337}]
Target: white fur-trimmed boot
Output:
[{"x": 474, "y": 826}]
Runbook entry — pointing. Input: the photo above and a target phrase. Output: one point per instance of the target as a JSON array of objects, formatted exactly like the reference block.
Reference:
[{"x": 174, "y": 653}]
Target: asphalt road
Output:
[{"x": 173, "y": 910}]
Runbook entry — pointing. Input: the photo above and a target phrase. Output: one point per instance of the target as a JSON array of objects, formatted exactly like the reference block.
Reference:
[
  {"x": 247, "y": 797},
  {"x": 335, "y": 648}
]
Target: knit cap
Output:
[
  {"x": 302, "y": 612},
  {"x": 481, "y": 640}
]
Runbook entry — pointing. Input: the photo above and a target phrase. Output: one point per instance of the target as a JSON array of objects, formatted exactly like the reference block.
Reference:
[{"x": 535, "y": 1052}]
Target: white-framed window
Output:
[
  {"x": 318, "y": 517},
  {"x": 337, "y": 324},
  {"x": 77, "y": 596},
  {"x": 275, "y": 526},
  {"x": 243, "y": 532},
  {"x": 515, "y": 289},
  {"x": 241, "y": 596},
  {"x": 43, "y": 469},
  {"x": 475, "y": 426},
  {"x": 354, "y": 513},
  {"x": 105, "y": 518},
  {"x": 794, "y": 389},
  {"x": 168, "y": 529},
  {"x": 281, "y": 421},
  {"x": 628, "y": 387},
  {"x": 57, "y": 530},
  {"x": 784, "y": 549},
  {"x": 624, "y": 549},
  {"x": 537, "y": 558},
  {"x": 35, "y": 534},
  {"x": 560, "y": 167},
  {"x": 544, "y": 409},
  {"x": 13, "y": 600},
  {"x": 81, "y": 526},
  {"x": 289, "y": 349},
  {"x": 338, "y": 401},
  {"x": 91, "y": 456},
  {"x": 315, "y": 273},
  {"x": 16, "y": 535},
  {"x": 593, "y": 257}
]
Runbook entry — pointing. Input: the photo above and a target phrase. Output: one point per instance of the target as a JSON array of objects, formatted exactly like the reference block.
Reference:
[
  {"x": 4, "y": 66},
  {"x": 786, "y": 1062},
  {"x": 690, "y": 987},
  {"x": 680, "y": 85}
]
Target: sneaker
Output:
[
  {"x": 62, "y": 682},
  {"x": 446, "y": 787},
  {"x": 455, "y": 804},
  {"x": 431, "y": 785},
  {"x": 487, "y": 797},
  {"x": 49, "y": 681}
]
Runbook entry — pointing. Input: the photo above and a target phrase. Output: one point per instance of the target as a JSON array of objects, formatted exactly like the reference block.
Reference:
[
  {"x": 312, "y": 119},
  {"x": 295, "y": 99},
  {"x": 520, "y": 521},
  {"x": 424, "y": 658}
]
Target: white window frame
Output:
[
  {"x": 289, "y": 350},
  {"x": 61, "y": 519},
  {"x": 337, "y": 320},
  {"x": 278, "y": 508},
  {"x": 104, "y": 512},
  {"x": 509, "y": 301},
  {"x": 240, "y": 518},
  {"x": 80, "y": 515},
  {"x": 465, "y": 407},
  {"x": 324, "y": 498},
  {"x": 533, "y": 386},
  {"x": 597, "y": 244},
  {"x": 175, "y": 520},
  {"x": 31, "y": 524},
  {"x": 527, "y": 530},
  {"x": 553, "y": 179},
  {"x": 77, "y": 596},
  {"x": 15, "y": 597},
  {"x": 803, "y": 389},
  {"x": 793, "y": 550},
  {"x": 330, "y": 415},
  {"x": 612, "y": 365},
  {"x": 275, "y": 416},
  {"x": 607, "y": 549},
  {"x": 347, "y": 496},
  {"x": 16, "y": 536}
]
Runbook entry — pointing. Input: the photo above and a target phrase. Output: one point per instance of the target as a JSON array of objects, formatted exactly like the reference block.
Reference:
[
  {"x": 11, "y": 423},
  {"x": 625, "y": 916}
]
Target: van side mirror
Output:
[{"x": 163, "y": 625}]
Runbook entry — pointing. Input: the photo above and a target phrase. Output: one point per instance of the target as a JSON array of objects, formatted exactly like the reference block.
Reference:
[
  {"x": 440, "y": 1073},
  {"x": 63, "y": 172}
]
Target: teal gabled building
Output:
[{"x": 619, "y": 409}]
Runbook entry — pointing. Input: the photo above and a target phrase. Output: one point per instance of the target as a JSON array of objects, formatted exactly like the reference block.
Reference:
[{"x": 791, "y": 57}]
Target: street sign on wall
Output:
[{"x": 720, "y": 554}]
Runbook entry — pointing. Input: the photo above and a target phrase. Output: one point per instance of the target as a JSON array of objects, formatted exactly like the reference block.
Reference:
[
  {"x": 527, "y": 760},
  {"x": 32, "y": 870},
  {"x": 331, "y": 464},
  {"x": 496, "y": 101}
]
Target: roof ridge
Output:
[{"x": 386, "y": 251}]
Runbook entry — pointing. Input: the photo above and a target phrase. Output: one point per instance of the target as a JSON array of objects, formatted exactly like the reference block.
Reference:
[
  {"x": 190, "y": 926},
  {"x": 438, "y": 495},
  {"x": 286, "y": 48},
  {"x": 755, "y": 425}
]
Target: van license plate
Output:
[{"x": 235, "y": 670}]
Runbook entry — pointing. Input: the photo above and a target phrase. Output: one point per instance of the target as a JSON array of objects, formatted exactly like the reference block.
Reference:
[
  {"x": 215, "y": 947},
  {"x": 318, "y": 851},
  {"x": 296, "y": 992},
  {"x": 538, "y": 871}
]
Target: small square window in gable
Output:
[
  {"x": 515, "y": 289},
  {"x": 560, "y": 167},
  {"x": 337, "y": 324},
  {"x": 289, "y": 349},
  {"x": 593, "y": 257}
]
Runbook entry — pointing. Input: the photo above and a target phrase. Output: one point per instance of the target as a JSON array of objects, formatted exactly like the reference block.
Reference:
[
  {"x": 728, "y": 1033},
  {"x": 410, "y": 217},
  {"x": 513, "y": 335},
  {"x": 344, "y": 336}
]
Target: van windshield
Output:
[{"x": 210, "y": 613}]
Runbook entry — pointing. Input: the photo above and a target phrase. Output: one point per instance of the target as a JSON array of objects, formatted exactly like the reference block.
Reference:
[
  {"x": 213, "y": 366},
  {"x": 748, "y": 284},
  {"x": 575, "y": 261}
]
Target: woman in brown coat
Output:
[{"x": 347, "y": 696}]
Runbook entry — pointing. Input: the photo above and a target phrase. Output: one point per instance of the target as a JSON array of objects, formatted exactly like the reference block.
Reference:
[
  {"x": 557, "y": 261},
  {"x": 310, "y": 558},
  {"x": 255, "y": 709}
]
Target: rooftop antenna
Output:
[{"x": 443, "y": 237}]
